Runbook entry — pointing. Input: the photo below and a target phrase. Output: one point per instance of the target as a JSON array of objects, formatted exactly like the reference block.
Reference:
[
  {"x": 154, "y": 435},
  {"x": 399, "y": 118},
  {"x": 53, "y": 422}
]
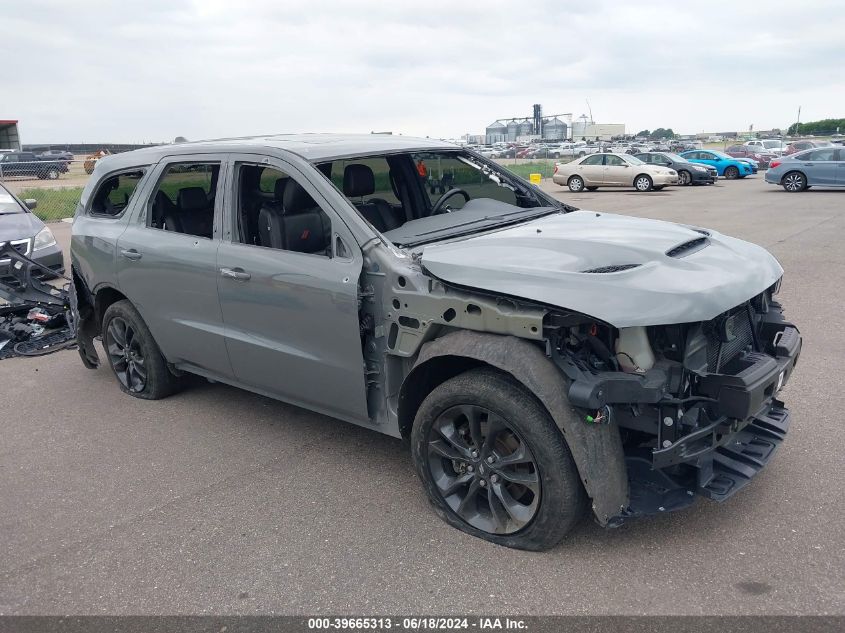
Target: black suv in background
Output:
[{"x": 28, "y": 164}]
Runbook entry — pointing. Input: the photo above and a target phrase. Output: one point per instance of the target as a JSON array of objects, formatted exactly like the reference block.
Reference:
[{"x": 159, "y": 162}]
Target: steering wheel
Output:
[{"x": 438, "y": 206}]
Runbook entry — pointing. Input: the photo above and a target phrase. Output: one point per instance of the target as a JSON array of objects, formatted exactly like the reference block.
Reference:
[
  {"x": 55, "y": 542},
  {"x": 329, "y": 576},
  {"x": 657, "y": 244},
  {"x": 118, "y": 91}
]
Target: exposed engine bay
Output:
[{"x": 695, "y": 402}]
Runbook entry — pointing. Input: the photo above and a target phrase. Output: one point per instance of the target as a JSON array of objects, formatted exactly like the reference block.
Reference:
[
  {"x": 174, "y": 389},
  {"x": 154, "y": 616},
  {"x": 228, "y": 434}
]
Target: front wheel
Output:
[
  {"x": 731, "y": 173},
  {"x": 494, "y": 464},
  {"x": 794, "y": 182},
  {"x": 53, "y": 174},
  {"x": 684, "y": 177},
  {"x": 133, "y": 354},
  {"x": 643, "y": 183}
]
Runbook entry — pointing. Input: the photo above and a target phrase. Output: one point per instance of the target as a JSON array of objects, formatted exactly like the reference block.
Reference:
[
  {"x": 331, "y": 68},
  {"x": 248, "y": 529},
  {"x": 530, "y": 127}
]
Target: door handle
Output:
[
  {"x": 809, "y": 165},
  {"x": 130, "y": 254},
  {"x": 237, "y": 274}
]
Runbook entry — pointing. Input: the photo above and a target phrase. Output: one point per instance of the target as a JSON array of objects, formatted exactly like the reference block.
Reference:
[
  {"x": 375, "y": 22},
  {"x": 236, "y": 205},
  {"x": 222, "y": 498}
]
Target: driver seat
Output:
[{"x": 359, "y": 181}]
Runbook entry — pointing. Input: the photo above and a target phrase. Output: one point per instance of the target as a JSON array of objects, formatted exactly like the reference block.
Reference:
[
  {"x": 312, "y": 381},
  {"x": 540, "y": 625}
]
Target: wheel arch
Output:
[
  {"x": 596, "y": 450},
  {"x": 794, "y": 171},
  {"x": 90, "y": 306},
  {"x": 105, "y": 296}
]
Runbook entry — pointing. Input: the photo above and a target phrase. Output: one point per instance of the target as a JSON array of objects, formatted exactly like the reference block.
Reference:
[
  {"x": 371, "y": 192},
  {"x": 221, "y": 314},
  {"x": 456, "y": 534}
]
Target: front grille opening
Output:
[
  {"x": 688, "y": 248},
  {"x": 611, "y": 269},
  {"x": 724, "y": 356}
]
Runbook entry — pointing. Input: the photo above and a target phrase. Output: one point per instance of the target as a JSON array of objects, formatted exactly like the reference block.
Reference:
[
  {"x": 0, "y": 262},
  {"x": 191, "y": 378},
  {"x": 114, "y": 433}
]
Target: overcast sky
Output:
[{"x": 125, "y": 71}]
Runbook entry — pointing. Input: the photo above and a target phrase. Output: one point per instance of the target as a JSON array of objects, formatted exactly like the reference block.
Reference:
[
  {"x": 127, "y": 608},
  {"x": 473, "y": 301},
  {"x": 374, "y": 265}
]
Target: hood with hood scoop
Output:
[{"x": 623, "y": 270}]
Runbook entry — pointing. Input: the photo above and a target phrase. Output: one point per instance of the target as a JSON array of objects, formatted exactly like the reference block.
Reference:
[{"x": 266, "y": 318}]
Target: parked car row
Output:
[{"x": 652, "y": 171}]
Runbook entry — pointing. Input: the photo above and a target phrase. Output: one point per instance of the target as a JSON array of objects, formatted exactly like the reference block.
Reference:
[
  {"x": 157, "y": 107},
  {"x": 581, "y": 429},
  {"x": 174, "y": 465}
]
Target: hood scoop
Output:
[
  {"x": 688, "y": 248},
  {"x": 611, "y": 269}
]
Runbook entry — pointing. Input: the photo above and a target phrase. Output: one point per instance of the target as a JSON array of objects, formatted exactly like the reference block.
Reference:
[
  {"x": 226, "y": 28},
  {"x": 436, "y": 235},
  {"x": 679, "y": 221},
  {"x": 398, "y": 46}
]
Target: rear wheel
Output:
[
  {"x": 494, "y": 464},
  {"x": 794, "y": 182},
  {"x": 52, "y": 174},
  {"x": 133, "y": 354},
  {"x": 731, "y": 172},
  {"x": 684, "y": 177},
  {"x": 575, "y": 183},
  {"x": 643, "y": 182}
]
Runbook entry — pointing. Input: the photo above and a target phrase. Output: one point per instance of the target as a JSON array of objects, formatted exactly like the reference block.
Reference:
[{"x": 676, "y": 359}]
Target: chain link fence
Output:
[{"x": 54, "y": 182}]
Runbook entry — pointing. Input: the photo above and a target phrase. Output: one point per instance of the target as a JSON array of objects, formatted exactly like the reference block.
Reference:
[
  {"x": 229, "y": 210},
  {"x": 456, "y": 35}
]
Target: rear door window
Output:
[
  {"x": 595, "y": 159},
  {"x": 183, "y": 202}
]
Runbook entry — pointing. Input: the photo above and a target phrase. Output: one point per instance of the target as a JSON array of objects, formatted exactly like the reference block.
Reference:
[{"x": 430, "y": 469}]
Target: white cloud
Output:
[{"x": 138, "y": 71}]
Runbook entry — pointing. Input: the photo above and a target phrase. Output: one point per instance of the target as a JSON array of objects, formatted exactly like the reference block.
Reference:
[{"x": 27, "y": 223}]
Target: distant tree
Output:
[
  {"x": 825, "y": 126},
  {"x": 645, "y": 133},
  {"x": 662, "y": 133},
  {"x": 180, "y": 139}
]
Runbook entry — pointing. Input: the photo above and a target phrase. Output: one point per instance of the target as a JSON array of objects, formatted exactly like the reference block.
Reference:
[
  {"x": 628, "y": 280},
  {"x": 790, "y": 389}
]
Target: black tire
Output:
[
  {"x": 575, "y": 184},
  {"x": 559, "y": 501},
  {"x": 731, "y": 172},
  {"x": 684, "y": 178},
  {"x": 52, "y": 174},
  {"x": 794, "y": 181},
  {"x": 151, "y": 379},
  {"x": 643, "y": 182},
  {"x": 593, "y": 188}
]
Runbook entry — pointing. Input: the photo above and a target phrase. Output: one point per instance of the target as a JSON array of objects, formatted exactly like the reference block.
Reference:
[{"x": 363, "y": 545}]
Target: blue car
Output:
[
  {"x": 819, "y": 167},
  {"x": 727, "y": 166}
]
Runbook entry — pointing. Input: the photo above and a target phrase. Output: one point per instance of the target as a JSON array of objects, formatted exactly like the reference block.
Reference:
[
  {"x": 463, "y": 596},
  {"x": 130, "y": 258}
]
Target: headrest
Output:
[
  {"x": 192, "y": 198},
  {"x": 296, "y": 200},
  {"x": 358, "y": 180},
  {"x": 279, "y": 188},
  {"x": 304, "y": 233}
]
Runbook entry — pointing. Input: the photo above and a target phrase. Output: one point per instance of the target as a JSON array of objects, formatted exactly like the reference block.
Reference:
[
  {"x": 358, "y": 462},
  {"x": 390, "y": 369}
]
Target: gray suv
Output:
[{"x": 540, "y": 359}]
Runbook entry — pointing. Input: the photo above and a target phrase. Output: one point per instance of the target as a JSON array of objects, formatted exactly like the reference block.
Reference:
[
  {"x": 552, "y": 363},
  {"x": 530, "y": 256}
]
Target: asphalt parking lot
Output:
[{"x": 220, "y": 501}]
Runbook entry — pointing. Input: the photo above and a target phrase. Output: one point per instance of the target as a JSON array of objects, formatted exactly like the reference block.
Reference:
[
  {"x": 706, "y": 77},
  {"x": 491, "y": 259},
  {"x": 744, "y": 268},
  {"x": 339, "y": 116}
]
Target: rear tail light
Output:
[{"x": 774, "y": 164}]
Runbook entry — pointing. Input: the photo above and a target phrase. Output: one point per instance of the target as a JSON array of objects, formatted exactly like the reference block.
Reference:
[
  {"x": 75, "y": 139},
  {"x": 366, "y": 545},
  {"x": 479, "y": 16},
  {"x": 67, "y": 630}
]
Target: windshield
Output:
[
  {"x": 424, "y": 196},
  {"x": 771, "y": 144},
  {"x": 633, "y": 160},
  {"x": 8, "y": 204},
  {"x": 720, "y": 154},
  {"x": 676, "y": 158}
]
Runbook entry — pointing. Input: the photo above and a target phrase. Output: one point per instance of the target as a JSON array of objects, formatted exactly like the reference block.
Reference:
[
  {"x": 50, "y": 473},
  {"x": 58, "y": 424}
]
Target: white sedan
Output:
[{"x": 613, "y": 170}]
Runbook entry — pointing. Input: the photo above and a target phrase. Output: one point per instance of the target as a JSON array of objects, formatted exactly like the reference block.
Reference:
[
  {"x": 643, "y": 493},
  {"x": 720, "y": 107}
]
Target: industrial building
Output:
[
  {"x": 554, "y": 127},
  {"x": 590, "y": 131},
  {"x": 9, "y": 137}
]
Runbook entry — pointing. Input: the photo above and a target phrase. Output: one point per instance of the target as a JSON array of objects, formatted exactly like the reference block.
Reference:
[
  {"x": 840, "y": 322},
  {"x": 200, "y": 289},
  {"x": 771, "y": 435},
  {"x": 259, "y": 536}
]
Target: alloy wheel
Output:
[
  {"x": 576, "y": 184},
  {"x": 483, "y": 469},
  {"x": 793, "y": 182},
  {"x": 684, "y": 178},
  {"x": 127, "y": 359},
  {"x": 643, "y": 183}
]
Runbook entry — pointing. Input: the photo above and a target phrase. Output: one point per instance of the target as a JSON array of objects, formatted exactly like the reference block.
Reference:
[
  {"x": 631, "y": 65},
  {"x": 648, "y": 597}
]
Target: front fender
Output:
[{"x": 596, "y": 449}]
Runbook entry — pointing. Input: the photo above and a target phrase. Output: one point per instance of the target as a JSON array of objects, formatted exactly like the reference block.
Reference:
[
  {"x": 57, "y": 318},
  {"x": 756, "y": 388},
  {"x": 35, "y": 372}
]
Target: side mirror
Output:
[{"x": 31, "y": 203}]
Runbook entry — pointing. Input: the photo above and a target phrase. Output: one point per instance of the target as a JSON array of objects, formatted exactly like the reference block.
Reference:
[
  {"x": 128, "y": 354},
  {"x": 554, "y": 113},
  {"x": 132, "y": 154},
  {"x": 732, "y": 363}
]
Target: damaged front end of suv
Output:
[
  {"x": 695, "y": 402},
  {"x": 671, "y": 336}
]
